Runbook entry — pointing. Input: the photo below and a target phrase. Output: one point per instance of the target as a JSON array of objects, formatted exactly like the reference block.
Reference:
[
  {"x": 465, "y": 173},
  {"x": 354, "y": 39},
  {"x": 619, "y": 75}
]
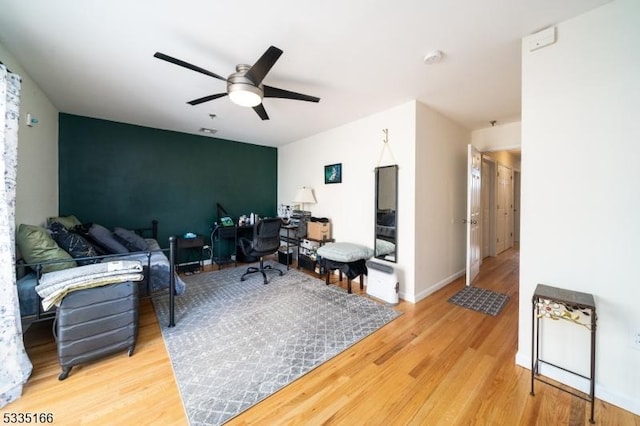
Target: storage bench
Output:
[{"x": 349, "y": 258}]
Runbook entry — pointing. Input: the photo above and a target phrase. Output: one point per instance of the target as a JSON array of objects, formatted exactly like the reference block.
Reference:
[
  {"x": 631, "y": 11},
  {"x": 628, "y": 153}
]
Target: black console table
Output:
[
  {"x": 191, "y": 249},
  {"x": 557, "y": 303}
]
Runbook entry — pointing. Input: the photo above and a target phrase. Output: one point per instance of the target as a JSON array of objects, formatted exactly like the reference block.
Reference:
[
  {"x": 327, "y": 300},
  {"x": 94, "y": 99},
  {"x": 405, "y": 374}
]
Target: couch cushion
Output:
[
  {"x": 130, "y": 239},
  {"x": 345, "y": 252},
  {"x": 27, "y": 295},
  {"x": 73, "y": 244},
  {"x": 36, "y": 246},
  {"x": 66, "y": 221},
  {"x": 83, "y": 231},
  {"x": 105, "y": 238}
]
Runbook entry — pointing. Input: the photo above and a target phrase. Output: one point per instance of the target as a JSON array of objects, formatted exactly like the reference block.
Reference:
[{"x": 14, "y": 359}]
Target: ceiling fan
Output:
[{"x": 244, "y": 86}]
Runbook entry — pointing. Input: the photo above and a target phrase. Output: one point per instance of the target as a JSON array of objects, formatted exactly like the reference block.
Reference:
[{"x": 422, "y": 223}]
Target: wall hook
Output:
[{"x": 385, "y": 142}]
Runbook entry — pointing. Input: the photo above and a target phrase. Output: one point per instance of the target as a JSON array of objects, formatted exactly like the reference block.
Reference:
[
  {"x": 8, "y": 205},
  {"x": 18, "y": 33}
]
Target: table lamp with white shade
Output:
[{"x": 304, "y": 196}]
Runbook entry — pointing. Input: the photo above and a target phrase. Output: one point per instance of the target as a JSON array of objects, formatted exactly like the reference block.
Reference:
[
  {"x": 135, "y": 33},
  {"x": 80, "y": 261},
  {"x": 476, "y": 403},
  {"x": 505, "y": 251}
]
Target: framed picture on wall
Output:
[{"x": 333, "y": 173}]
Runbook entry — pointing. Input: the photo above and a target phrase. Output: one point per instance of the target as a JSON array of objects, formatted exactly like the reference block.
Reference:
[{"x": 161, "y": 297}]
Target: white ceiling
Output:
[{"x": 95, "y": 58}]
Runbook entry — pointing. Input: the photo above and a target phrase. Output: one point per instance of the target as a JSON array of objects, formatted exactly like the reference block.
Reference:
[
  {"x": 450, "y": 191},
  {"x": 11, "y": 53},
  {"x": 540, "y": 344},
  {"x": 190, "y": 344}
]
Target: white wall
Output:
[
  {"x": 350, "y": 204},
  {"x": 430, "y": 152},
  {"x": 505, "y": 158},
  {"x": 499, "y": 137},
  {"x": 441, "y": 188},
  {"x": 37, "y": 180},
  {"x": 580, "y": 227}
]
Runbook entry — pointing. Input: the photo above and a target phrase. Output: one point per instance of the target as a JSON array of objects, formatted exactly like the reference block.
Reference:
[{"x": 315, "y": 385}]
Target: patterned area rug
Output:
[
  {"x": 235, "y": 343},
  {"x": 480, "y": 299}
]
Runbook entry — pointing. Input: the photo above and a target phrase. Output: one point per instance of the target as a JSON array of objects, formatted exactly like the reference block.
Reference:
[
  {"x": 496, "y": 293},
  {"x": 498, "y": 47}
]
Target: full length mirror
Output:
[{"x": 386, "y": 210}]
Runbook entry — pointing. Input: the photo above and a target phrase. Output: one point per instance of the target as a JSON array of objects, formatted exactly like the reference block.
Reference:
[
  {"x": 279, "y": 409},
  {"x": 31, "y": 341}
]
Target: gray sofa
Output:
[{"x": 158, "y": 270}]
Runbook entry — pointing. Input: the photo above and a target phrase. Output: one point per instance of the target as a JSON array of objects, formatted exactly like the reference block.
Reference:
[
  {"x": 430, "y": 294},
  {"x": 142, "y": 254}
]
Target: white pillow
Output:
[
  {"x": 384, "y": 247},
  {"x": 344, "y": 252}
]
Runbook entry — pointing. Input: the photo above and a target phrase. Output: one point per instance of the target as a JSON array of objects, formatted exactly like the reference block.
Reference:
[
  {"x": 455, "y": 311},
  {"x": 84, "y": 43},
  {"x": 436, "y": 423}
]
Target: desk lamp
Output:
[{"x": 304, "y": 196}]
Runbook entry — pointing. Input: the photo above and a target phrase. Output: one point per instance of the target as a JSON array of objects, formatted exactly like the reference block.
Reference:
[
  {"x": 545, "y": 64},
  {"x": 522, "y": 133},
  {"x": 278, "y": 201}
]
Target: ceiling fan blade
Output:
[
  {"x": 274, "y": 92},
  {"x": 187, "y": 65},
  {"x": 262, "y": 66},
  {"x": 206, "y": 99},
  {"x": 259, "y": 109}
]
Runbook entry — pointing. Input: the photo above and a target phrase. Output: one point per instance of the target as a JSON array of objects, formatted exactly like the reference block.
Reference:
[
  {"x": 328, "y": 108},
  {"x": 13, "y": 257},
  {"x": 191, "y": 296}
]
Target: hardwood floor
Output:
[{"x": 435, "y": 364}]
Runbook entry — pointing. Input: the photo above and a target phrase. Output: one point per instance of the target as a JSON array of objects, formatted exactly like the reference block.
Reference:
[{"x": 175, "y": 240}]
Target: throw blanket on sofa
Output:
[
  {"x": 160, "y": 267},
  {"x": 55, "y": 285}
]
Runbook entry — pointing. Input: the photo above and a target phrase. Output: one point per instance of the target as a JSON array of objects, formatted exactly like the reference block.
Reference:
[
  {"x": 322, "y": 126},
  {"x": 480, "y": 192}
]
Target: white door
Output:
[
  {"x": 474, "y": 161},
  {"x": 487, "y": 217},
  {"x": 503, "y": 208},
  {"x": 516, "y": 207},
  {"x": 510, "y": 215}
]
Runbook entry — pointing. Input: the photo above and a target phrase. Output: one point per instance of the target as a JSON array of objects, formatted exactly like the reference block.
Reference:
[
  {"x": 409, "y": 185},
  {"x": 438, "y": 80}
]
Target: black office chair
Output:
[{"x": 266, "y": 240}]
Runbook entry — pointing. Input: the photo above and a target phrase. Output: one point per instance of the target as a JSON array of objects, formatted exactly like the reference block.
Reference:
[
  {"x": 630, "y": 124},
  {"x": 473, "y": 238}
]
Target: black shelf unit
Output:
[
  {"x": 559, "y": 303},
  {"x": 221, "y": 237},
  {"x": 289, "y": 235},
  {"x": 311, "y": 262}
]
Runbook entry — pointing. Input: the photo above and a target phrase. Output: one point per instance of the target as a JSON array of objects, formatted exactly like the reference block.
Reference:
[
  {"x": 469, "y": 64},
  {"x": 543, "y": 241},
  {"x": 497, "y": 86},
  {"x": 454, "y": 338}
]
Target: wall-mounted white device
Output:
[
  {"x": 541, "y": 39},
  {"x": 31, "y": 120}
]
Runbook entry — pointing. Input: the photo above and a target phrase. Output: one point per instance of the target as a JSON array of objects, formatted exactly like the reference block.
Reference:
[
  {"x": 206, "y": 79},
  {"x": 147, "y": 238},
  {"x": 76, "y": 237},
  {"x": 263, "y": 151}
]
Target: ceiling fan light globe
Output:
[{"x": 244, "y": 95}]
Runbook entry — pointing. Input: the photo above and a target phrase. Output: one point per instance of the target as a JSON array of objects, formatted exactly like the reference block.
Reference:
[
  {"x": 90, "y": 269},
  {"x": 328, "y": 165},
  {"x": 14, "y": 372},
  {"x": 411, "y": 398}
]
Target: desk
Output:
[
  {"x": 191, "y": 249},
  {"x": 224, "y": 244},
  {"x": 557, "y": 303}
]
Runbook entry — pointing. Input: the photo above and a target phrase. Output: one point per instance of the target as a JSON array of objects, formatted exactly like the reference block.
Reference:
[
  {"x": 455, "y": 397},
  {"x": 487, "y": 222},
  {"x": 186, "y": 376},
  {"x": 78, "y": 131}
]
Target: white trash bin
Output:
[{"x": 382, "y": 282}]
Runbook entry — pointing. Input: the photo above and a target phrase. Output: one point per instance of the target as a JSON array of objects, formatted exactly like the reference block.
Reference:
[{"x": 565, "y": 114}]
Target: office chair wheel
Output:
[{"x": 250, "y": 270}]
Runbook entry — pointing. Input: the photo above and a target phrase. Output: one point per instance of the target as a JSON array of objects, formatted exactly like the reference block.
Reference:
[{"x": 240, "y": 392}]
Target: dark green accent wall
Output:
[{"x": 119, "y": 174}]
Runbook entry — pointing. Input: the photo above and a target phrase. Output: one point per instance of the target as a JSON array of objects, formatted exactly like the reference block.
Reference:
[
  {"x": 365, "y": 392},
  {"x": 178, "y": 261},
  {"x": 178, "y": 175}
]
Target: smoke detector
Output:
[{"x": 433, "y": 57}]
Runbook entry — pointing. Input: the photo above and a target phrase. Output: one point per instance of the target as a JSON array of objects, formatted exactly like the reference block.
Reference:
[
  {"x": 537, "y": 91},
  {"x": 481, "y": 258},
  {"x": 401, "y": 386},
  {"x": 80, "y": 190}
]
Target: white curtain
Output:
[{"x": 15, "y": 366}]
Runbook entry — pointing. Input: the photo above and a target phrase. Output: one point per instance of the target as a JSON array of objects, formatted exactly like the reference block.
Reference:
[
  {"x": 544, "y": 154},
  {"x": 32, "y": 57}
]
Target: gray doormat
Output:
[
  {"x": 480, "y": 299},
  {"x": 235, "y": 343}
]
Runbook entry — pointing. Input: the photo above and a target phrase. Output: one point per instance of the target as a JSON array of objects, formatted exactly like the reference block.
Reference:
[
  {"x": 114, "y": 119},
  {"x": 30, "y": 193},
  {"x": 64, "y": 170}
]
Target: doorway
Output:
[
  {"x": 504, "y": 207},
  {"x": 488, "y": 219},
  {"x": 501, "y": 170},
  {"x": 500, "y": 201}
]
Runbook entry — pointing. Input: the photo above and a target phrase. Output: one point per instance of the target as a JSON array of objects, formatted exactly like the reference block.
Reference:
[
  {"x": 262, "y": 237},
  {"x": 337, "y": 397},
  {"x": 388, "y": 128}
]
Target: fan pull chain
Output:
[{"x": 385, "y": 145}]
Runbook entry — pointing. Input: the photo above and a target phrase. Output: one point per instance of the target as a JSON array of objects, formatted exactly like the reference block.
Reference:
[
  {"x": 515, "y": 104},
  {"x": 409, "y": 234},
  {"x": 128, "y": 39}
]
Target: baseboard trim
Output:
[
  {"x": 601, "y": 392},
  {"x": 437, "y": 286}
]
